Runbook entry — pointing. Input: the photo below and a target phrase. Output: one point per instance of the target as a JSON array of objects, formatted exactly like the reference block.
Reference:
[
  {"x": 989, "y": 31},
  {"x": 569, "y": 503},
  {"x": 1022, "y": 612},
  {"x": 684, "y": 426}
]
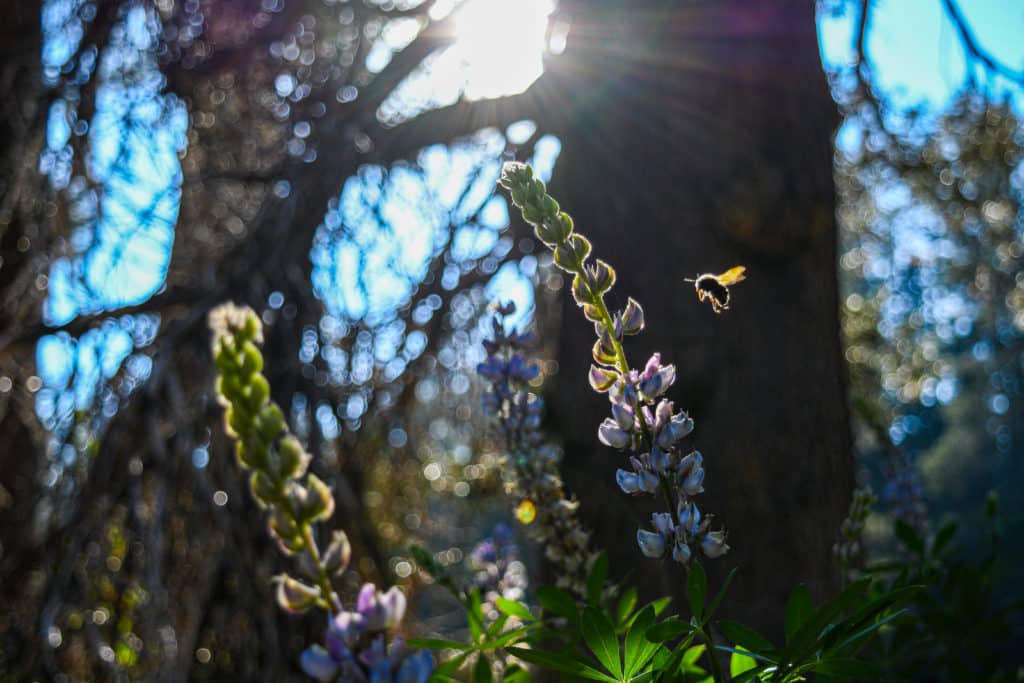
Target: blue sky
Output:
[{"x": 915, "y": 50}]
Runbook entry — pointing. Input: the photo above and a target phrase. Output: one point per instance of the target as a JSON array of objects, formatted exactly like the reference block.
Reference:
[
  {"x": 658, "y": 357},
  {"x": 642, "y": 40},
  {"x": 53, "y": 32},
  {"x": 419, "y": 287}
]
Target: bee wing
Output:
[{"x": 732, "y": 276}]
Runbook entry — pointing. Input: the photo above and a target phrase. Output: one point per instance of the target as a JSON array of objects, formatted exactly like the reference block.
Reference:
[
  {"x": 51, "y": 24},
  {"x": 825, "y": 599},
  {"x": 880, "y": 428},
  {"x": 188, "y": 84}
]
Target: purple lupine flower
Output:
[
  {"x": 713, "y": 545},
  {"x": 651, "y": 544},
  {"x": 623, "y": 415},
  {"x": 612, "y": 435},
  {"x": 356, "y": 644}
]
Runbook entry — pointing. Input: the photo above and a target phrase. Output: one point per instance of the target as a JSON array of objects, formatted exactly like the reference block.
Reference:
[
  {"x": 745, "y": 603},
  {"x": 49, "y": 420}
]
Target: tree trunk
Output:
[{"x": 702, "y": 140}]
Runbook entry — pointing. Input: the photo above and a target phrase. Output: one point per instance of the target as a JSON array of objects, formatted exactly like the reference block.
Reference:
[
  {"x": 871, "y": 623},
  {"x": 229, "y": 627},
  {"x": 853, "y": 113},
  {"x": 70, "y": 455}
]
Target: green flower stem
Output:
[
  {"x": 328, "y": 598},
  {"x": 716, "y": 667}
]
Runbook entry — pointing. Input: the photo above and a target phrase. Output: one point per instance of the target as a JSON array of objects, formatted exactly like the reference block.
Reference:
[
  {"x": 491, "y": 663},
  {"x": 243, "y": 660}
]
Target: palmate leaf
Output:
[
  {"x": 599, "y": 634},
  {"x": 638, "y": 649}
]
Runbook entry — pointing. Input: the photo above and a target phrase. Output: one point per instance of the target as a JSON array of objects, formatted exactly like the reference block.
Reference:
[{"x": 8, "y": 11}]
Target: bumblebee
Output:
[{"x": 716, "y": 287}]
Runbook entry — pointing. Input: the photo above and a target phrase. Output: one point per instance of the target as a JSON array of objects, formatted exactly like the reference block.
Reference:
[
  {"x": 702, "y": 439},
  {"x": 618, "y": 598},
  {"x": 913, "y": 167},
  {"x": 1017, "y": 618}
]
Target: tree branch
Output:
[{"x": 974, "y": 49}]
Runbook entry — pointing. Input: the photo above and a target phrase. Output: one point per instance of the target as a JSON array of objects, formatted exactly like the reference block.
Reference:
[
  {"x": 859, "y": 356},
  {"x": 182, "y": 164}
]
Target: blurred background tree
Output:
[{"x": 332, "y": 164}]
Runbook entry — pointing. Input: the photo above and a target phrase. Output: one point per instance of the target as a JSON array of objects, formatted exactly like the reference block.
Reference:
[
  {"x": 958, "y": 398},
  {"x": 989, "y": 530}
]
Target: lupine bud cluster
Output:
[
  {"x": 497, "y": 571},
  {"x": 293, "y": 499},
  {"x": 642, "y": 423},
  {"x": 851, "y": 531},
  {"x": 357, "y": 647},
  {"x": 533, "y": 466}
]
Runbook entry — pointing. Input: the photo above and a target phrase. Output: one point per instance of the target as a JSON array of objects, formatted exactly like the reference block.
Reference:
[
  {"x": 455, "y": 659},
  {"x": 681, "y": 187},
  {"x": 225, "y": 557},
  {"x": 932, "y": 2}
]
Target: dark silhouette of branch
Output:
[{"x": 975, "y": 51}]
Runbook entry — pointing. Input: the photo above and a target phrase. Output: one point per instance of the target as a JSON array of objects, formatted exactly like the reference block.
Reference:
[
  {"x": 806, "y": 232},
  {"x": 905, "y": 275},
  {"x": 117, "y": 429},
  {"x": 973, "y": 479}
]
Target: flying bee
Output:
[{"x": 716, "y": 287}]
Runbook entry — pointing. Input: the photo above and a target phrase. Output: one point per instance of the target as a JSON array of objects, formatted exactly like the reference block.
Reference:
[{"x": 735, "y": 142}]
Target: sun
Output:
[{"x": 500, "y": 45}]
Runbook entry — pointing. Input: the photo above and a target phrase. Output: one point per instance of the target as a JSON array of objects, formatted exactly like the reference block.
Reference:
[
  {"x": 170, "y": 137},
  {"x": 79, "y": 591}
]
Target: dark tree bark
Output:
[{"x": 701, "y": 139}]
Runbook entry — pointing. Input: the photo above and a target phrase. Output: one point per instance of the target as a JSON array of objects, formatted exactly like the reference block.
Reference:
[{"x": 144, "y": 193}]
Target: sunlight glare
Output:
[{"x": 500, "y": 44}]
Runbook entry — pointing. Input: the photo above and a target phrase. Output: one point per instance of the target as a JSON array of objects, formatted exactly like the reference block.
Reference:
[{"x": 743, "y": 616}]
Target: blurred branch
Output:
[
  {"x": 461, "y": 119},
  {"x": 12, "y": 340},
  {"x": 974, "y": 49}
]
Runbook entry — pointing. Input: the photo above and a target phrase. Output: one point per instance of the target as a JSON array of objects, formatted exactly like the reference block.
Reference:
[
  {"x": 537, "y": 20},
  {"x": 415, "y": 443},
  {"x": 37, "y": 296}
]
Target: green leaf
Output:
[
  {"x": 721, "y": 594},
  {"x": 600, "y": 636},
  {"x": 451, "y": 666},
  {"x": 625, "y": 607},
  {"x": 745, "y": 637},
  {"x": 696, "y": 589},
  {"x": 516, "y": 674},
  {"x": 482, "y": 671},
  {"x": 909, "y": 537},
  {"x": 803, "y": 641},
  {"x": 496, "y": 626},
  {"x": 660, "y": 604},
  {"x": 475, "y": 614},
  {"x": 798, "y": 609},
  {"x": 636, "y": 652},
  {"x": 943, "y": 537},
  {"x": 671, "y": 628},
  {"x": 557, "y": 601},
  {"x": 437, "y": 644},
  {"x": 596, "y": 579},
  {"x": 692, "y": 654},
  {"x": 514, "y": 608},
  {"x": 561, "y": 662},
  {"x": 505, "y": 638},
  {"x": 740, "y": 663}
]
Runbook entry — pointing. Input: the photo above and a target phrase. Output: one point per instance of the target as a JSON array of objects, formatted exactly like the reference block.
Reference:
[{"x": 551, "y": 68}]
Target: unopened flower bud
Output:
[
  {"x": 338, "y": 553},
  {"x": 294, "y": 596},
  {"x": 602, "y": 379},
  {"x": 293, "y": 458},
  {"x": 681, "y": 552},
  {"x": 600, "y": 276},
  {"x": 632, "y": 318},
  {"x": 572, "y": 253}
]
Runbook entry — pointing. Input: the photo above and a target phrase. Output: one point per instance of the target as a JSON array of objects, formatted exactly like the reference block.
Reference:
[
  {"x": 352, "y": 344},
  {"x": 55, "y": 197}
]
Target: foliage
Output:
[{"x": 959, "y": 628}]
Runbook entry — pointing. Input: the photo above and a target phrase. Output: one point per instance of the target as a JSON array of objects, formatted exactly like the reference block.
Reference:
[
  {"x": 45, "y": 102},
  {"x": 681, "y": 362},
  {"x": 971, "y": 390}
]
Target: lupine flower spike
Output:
[
  {"x": 533, "y": 465},
  {"x": 643, "y": 424}
]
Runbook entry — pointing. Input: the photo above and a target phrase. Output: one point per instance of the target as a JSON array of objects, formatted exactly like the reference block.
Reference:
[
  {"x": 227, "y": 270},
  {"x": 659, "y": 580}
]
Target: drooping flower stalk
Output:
[
  {"x": 550, "y": 516},
  {"x": 850, "y": 546},
  {"x": 358, "y": 645},
  {"x": 264, "y": 445},
  {"x": 643, "y": 424}
]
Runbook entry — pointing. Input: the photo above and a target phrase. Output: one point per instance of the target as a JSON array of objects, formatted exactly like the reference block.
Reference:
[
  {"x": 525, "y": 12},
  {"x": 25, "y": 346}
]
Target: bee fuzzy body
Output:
[{"x": 715, "y": 288}]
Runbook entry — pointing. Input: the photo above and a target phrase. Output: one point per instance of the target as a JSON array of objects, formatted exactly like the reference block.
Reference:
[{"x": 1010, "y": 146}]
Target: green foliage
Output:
[
  {"x": 826, "y": 641},
  {"x": 959, "y": 627}
]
